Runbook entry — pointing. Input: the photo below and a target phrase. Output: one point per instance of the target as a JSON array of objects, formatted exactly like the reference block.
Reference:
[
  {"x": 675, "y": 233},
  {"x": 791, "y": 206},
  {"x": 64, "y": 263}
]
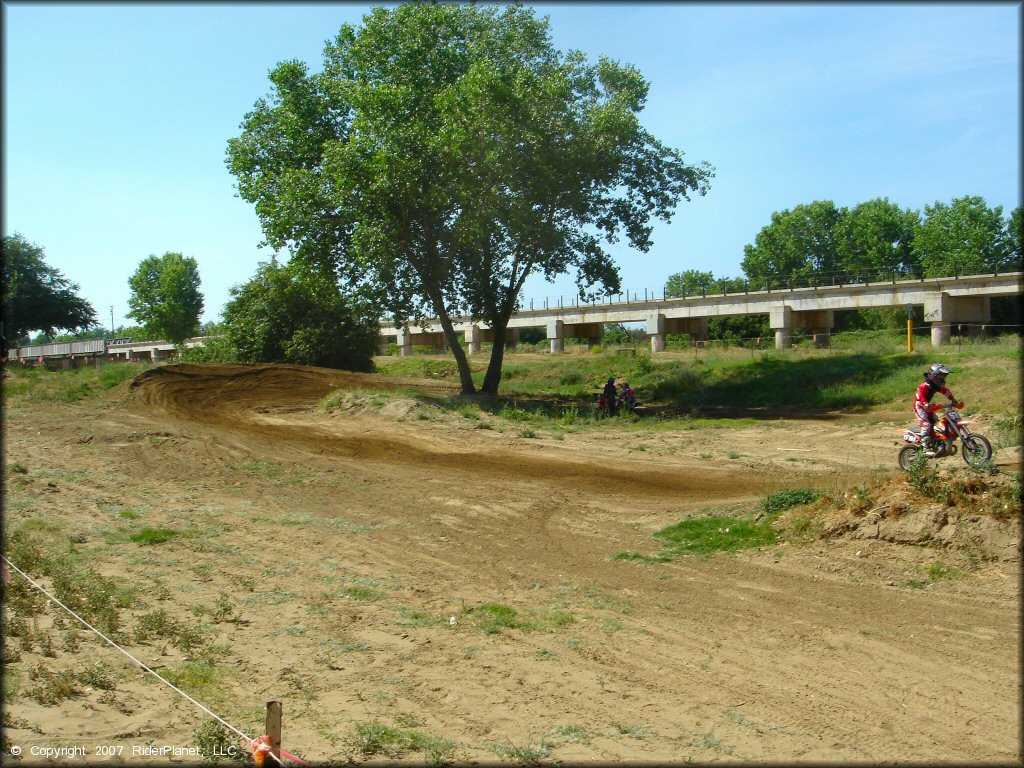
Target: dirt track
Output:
[{"x": 349, "y": 541}]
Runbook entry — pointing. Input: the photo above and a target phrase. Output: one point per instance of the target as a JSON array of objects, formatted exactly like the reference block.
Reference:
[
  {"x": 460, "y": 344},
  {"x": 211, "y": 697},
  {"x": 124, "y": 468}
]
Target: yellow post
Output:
[{"x": 910, "y": 336}]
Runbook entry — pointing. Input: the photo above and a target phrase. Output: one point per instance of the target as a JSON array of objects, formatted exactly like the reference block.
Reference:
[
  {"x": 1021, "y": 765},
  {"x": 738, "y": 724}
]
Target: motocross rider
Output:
[
  {"x": 628, "y": 398},
  {"x": 609, "y": 396},
  {"x": 934, "y": 381}
]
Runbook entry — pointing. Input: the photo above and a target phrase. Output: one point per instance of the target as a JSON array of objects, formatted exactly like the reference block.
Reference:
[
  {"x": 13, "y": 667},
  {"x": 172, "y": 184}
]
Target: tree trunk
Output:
[
  {"x": 465, "y": 377},
  {"x": 493, "y": 376}
]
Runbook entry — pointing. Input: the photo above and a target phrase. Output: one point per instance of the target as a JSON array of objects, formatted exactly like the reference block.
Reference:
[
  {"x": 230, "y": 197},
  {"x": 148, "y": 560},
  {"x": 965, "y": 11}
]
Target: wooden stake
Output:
[{"x": 274, "y": 728}]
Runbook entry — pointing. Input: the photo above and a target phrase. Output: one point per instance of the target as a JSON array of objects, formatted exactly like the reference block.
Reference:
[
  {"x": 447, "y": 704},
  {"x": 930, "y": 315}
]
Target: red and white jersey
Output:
[{"x": 927, "y": 391}]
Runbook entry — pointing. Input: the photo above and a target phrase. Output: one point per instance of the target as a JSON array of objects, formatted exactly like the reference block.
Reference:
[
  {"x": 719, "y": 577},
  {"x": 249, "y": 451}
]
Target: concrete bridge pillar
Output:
[
  {"x": 945, "y": 312},
  {"x": 511, "y": 338},
  {"x": 781, "y": 321},
  {"x": 940, "y": 334},
  {"x": 656, "y": 330},
  {"x": 404, "y": 341},
  {"x": 556, "y": 333},
  {"x": 473, "y": 339},
  {"x": 938, "y": 310}
]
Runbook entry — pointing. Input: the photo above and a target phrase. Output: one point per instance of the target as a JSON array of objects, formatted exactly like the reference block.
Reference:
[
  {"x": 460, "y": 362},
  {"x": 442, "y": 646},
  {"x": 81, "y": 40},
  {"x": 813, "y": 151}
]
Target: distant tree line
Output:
[
  {"x": 292, "y": 313},
  {"x": 820, "y": 244}
]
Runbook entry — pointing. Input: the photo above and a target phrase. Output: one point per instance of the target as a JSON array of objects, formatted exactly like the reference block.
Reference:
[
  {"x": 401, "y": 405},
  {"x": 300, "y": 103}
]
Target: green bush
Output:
[
  {"x": 777, "y": 502},
  {"x": 285, "y": 315},
  {"x": 215, "y": 349}
]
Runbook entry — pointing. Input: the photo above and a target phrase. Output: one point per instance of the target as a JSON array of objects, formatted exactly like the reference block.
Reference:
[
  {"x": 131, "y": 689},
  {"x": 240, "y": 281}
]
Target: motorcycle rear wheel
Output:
[
  {"x": 977, "y": 450},
  {"x": 908, "y": 455}
]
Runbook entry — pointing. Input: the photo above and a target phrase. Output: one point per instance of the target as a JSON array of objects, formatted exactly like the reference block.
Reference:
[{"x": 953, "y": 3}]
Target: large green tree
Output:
[
  {"x": 445, "y": 153},
  {"x": 798, "y": 243},
  {"x": 876, "y": 238},
  {"x": 965, "y": 236},
  {"x": 165, "y": 296},
  {"x": 291, "y": 315},
  {"x": 37, "y": 297}
]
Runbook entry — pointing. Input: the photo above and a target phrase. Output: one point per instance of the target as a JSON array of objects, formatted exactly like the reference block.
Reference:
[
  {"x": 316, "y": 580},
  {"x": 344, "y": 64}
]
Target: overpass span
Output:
[{"x": 947, "y": 302}]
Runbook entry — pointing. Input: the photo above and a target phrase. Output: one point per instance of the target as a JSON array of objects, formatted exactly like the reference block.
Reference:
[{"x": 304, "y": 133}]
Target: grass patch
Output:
[
  {"x": 199, "y": 678},
  {"x": 217, "y": 743},
  {"x": 531, "y": 753},
  {"x": 576, "y": 734},
  {"x": 932, "y": 574},
  {"x": 780, "y": 501},
  {"x": 631, "y": 730},
  {"x": 412, "y": 617},
  {"x": 49, "y": 688},
  {"x": 377, "y": 738},
  {"x": 151, "y": 536},
  {"x": 1009, "y": 430},
  {"x": 706, "y": 535},
  {"x": 492, "y": 618},
  {"x": 365, "y": 594},
  {"x": 267, "y": 469},
  {"x": 858, "y": 373},
  {"x": 42, "y": 385},
  {"x": 723, "y": 533}
]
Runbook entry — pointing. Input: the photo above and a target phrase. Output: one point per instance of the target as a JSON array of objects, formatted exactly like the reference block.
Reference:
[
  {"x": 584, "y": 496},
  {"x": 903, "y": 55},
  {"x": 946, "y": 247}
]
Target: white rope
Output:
[{"x": 163, "y": 680}]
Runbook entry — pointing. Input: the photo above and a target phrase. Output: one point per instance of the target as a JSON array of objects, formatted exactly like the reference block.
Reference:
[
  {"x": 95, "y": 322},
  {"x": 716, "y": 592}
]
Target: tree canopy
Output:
[
  {"x": 447, "y": 152},
  {"x": 287, "y": 314},
  {"x": 165, "y": 296},
  {"x": 965, "y": 237},
  {"x": 819, "y": 242},
  {"x": 691, "y": 282},
  {"x": 878, "y": 238},
  {"x": 797, "y": 243},
  {"x": 37, "y": 297}
]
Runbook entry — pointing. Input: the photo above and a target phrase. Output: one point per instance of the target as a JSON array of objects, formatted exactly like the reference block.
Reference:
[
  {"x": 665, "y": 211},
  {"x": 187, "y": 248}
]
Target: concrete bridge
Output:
[
  {"x": 73, "y": 354},
  {"x": 947, "y": 302}
]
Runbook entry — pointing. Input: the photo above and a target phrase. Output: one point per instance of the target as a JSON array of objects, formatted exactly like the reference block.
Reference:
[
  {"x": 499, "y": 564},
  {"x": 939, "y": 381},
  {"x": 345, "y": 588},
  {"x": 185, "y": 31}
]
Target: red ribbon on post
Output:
[{"x": 261, "y": 748}]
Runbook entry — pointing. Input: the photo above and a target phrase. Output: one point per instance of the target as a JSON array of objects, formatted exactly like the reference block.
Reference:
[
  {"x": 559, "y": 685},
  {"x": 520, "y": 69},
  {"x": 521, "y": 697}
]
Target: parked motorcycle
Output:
[
  {"x": 621, "y": 403},
  {"x": 976, "y": 448}
]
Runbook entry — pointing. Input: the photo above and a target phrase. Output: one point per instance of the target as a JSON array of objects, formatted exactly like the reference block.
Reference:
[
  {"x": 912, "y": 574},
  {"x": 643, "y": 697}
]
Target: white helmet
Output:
[{"x": 937, "y": 374}]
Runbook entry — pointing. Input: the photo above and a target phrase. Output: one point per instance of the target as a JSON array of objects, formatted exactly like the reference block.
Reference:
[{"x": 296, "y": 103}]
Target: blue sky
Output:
[{"x": 117, "y": 117}]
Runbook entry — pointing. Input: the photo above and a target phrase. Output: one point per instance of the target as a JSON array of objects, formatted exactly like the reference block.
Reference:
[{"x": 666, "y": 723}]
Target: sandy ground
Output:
[{"x": 359, "y": 551}]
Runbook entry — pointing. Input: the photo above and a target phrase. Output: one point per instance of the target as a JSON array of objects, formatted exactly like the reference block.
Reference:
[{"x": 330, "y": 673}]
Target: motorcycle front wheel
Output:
[
  {"x": 908, "y": 455},
  {"x": 977, "y": 450}
]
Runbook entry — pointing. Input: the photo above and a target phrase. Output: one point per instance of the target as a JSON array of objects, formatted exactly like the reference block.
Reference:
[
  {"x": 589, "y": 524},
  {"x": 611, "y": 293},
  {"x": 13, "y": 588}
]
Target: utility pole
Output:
[{"x": 111, "y": 319}]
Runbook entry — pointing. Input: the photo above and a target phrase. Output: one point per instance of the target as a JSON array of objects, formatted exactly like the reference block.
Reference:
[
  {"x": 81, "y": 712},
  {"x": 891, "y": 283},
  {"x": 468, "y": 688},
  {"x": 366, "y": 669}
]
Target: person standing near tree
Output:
[{"x": 610, "y": 395}]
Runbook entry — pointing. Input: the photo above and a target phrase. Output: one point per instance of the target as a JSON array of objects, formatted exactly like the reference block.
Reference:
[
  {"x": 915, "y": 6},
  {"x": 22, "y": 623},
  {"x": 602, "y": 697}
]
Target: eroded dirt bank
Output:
[{"x": 371, "y": 559}]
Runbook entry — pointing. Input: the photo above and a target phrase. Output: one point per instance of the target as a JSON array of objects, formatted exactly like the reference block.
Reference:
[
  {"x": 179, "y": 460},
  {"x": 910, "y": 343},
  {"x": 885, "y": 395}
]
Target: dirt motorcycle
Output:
[
  {"x": 621, "y": 403},
  {"x": 976, "y": 448}
]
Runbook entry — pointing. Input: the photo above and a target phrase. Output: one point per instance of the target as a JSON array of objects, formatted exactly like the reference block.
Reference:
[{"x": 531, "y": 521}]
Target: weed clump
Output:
[
  {"x": 377, "y": 738},
  {"x": 217, "y": 743},
  {"x": 725, "y": 533}
]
